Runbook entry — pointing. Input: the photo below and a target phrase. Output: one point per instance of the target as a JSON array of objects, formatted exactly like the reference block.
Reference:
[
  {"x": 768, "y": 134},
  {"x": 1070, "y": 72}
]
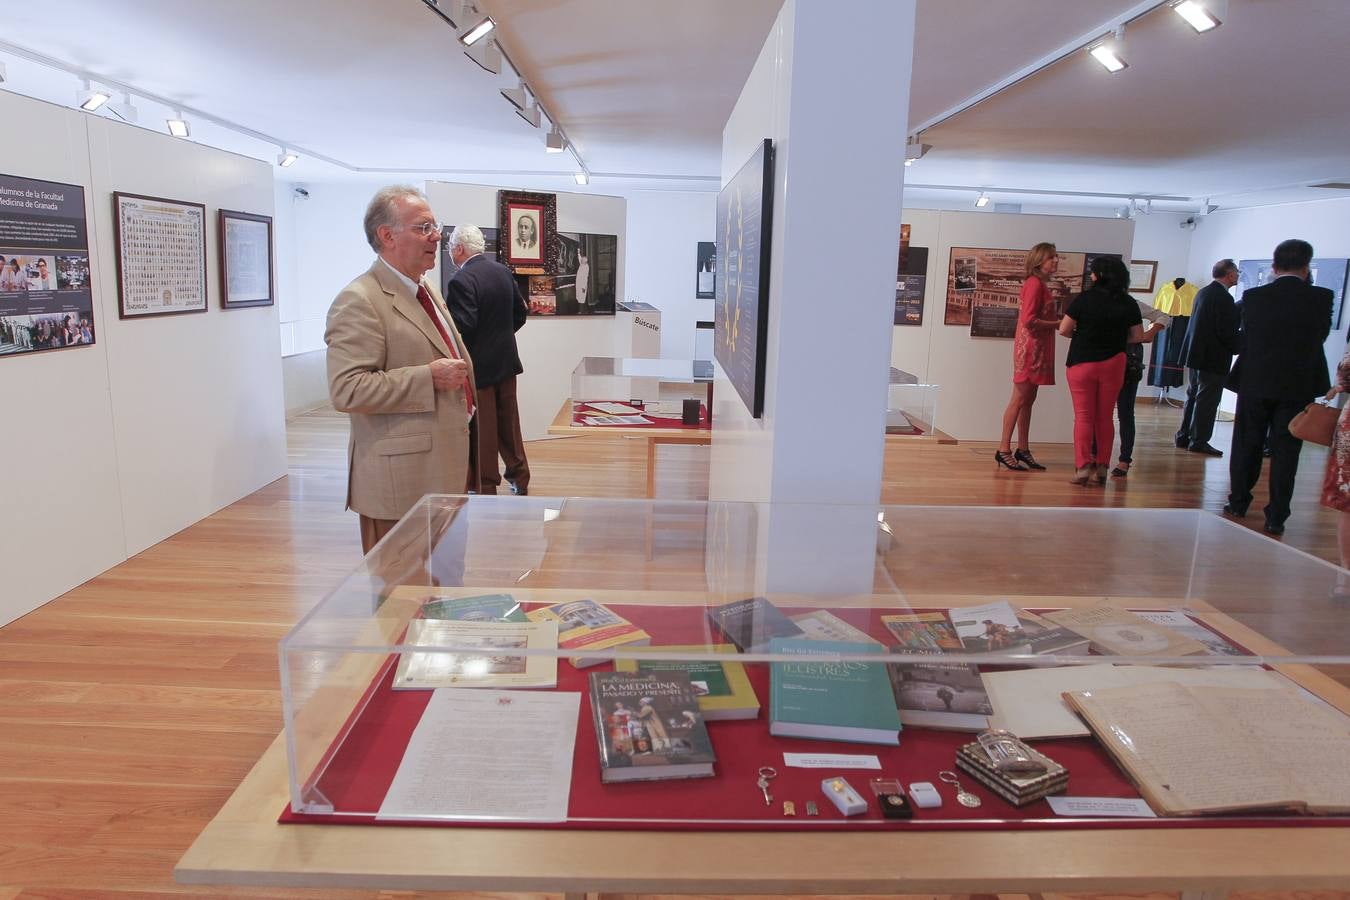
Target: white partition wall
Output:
[
  {"x": 975, "y": 374},
  {"x": 549, "y": 348},
  {"x": 111, "y": 448}
]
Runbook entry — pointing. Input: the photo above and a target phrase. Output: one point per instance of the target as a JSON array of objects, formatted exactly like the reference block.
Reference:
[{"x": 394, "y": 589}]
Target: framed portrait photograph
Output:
[
  {"x": 705, "y": 286},
  {"x": 161, "y": 256},
  {"x": 527, "y": 224},
  {"x": 1143, "y": 272},
  {"x": 245, "y": 260}
]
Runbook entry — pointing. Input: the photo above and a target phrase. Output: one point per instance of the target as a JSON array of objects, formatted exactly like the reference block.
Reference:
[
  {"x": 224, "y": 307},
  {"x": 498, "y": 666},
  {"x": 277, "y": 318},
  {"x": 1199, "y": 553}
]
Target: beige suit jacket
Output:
[{"x": 407, "y": 439}]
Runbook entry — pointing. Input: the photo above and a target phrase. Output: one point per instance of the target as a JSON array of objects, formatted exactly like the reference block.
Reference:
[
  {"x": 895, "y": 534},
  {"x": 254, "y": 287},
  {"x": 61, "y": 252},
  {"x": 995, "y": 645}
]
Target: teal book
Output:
[
  {"x": 483, "y": 608},
  {"x": 829, "y": 699}
]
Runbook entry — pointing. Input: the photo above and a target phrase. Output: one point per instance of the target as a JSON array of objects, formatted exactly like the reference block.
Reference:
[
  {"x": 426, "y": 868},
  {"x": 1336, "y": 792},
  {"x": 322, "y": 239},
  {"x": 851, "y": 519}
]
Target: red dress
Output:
[
  {"x": 1336, "y": 483},
  {"x": 1034, "y": 350}
]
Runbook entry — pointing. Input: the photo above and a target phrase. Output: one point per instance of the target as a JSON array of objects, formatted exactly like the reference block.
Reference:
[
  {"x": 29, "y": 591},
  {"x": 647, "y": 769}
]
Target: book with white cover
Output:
[{"x": 481, "y": 656}]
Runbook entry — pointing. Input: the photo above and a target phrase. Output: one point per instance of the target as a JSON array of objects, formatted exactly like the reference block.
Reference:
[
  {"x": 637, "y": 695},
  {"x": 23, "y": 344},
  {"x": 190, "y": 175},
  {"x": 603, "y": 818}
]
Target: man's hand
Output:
[{"x": 448, "y": 373}]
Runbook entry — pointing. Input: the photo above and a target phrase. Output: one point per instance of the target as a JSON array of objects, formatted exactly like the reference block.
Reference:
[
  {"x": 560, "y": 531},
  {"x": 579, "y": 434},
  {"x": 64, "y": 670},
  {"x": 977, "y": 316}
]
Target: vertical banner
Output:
[{"x": 46, "y": 295}]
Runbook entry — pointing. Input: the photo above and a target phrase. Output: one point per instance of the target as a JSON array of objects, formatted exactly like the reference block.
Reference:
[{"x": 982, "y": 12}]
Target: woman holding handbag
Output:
[{"x": 1336, "y": 483}]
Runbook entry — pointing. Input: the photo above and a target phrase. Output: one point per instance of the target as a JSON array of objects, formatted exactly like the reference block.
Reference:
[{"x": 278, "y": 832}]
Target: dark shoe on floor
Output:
[
  {"x": 1025, "y": 457},
  {"x": 1206, "y": 449},
  {"x": 1274, "y": 528},
  {"x": 1119, "y": 472},
  {"x": 1182, "y": 441},
  {"x": 1236, "y": 512},
  {"x": 1009, "y": 461},
  {"x": 517, "y": 489}
]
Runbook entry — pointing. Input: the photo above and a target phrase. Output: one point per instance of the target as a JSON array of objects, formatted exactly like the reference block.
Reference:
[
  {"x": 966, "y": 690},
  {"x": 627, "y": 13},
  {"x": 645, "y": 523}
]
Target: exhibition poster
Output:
[
  {"x": 705, "y": 282},
  {"x": 586, "y": 283},
  {"x": 1323, "y": 271},
  {"x": 46, "y": 296},
  {"x": 740, "y": 328},
  {"x": 984, "y": 287},
  {"x": 910, "y": 278},
  {"x": 161, "y": 256}
]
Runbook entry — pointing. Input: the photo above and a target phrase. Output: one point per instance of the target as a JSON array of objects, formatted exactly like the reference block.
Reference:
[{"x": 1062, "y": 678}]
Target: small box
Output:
[
  {"x": 691, "y": 411},
  {"x": 843, "y": 796}
]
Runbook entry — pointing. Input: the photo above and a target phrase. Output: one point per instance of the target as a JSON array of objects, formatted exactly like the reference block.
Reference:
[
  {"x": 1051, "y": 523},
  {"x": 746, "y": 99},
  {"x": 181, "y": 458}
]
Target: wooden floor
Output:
[{"x": 132, "y": 706}]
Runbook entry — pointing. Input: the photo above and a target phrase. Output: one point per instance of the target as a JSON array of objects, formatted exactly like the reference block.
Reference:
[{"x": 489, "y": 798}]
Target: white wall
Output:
[
  {"x": 550, "y": 348},
  {"x": 974, "y": 375},
  {"x": 163, "y": 421},
  {"x": 1253, "y": 234},
  {"x": 664, "y": 229}
]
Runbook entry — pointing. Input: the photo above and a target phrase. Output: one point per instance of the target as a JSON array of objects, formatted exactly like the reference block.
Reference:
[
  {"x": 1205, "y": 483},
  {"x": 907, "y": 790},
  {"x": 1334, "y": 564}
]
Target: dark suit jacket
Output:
[
  {"x": 488, "y": 311},
  {"x": 1212, "y": 335},
  {"x": 1283, "y": 324}
]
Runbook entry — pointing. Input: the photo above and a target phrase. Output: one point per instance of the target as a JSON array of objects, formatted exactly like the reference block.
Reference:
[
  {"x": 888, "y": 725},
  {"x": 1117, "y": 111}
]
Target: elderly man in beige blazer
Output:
[{"x": 397, "y": 365}]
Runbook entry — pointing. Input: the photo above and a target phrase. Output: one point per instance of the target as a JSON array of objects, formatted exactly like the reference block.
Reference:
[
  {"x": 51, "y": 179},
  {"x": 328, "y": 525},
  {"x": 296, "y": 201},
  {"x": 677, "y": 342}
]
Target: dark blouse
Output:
[{"x": 1102, "y": 323}]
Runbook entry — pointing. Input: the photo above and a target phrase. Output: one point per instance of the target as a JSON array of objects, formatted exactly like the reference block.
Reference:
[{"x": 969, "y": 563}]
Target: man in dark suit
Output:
[
  {"x": 1281, "y": 367},
  {"x": 488, "y": 310},
  {"x": 1207, "y": 353}
]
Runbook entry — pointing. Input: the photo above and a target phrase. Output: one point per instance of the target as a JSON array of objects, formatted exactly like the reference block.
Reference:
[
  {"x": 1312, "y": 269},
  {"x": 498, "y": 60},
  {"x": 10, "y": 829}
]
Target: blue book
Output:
[{"x": 829, "y": 699}]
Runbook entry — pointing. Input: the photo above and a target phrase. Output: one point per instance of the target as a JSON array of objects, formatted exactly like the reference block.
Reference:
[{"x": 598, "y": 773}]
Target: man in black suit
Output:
[
  {"x": 1281, "y": 367},
  {"x": 1207, "y": 352},
  {"x": 488, "y": 310}
]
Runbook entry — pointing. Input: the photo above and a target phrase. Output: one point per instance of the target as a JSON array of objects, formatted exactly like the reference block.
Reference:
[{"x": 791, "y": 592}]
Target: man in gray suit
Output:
[{"x": 397, "y": 365}]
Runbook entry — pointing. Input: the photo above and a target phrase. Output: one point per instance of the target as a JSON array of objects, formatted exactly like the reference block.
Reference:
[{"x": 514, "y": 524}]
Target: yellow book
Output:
[
  {"x": 587, "y": 625},
  {"x": 722, "y": 687}
]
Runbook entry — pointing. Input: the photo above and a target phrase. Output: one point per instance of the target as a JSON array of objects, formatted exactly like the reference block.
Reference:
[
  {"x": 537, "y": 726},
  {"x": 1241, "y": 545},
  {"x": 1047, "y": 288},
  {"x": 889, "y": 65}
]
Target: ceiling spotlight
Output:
[
  {"x": 90, "y": 100},
  {"x": 518, "y": 95},
  {"x": 124, "y": 110},
  {"x": 1123, "y": 212},
  {"x": 915, "y": 150},
  {"x": 286, "y": 159},
  {"x": 530, "y": 114},
  {"x": 1107, "y": 51},
  {"x": 555, "y": 142},
  {"x": 477, "y": 31},
  {"x": 582, "y": 178},
  {"x": 178, "y": 127},
  {"x": 1202, "y": 16},
  {"x": 487, "y": 55},
  {"x": 982, "y": 201}
]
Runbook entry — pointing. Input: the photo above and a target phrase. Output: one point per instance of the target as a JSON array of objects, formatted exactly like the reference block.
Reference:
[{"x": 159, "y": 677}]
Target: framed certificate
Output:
[
  {"x": 161, "y": 256},
  {"x": 1143, "y": 272},
  {"x": 245, "y": 260}
]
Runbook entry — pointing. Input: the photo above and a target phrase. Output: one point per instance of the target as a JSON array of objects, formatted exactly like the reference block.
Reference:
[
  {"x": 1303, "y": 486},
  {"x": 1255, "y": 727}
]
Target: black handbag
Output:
[{"x": 1134, "y": 363}]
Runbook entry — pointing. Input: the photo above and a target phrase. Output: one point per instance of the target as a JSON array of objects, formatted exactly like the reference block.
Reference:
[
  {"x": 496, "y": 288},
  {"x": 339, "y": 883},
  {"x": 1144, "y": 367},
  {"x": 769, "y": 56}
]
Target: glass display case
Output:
[
  {"x": 911, "y": 407},
  {"x": 495, "y": 659},
  {"x": 629, "y": 386}
]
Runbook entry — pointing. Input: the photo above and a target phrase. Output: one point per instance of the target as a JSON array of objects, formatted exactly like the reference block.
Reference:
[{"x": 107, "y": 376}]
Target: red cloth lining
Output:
[{"x": 363, "y": 767}]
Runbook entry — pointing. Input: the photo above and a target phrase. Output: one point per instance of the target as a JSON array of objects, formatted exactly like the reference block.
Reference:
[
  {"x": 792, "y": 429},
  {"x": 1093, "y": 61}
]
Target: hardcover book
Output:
[
  {"x": 481, "y": 655},
  {"x": 929, "y": 632},
  {"x": 751, "y": 624},
  {"x": 722, "y": 688},
  {"x": 1043, "y": 636},
  {"x": 826, "y": 698},
  {"x": 587, "y": 625},
  {"x": 1119, "y": 632},
  {"x": 648, "y": 726},
  {"x": 485, "y": 608},
  {"x": 990, "y": 628},
  {"x": 943, "y": 695}
]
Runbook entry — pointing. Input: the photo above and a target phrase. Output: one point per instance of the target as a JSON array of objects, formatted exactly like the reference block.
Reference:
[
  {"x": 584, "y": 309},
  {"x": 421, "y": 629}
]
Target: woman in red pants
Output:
[{"x": 1100, "y": 322}]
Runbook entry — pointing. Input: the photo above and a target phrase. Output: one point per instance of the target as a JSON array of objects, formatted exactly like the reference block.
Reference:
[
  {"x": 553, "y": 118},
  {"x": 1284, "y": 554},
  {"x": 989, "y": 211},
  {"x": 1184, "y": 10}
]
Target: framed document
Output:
[
  {"x": 161, "y": 256},
  {"x": 245, "y": 260},
  {"x": 528, "y": 224},
  {"x": 1143, "y": 272}
]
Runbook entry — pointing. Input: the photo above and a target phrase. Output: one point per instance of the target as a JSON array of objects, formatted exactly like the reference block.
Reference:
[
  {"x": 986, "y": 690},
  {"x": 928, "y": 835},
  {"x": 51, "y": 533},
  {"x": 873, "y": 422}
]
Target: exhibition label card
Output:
[
  {"x": 488, "y": 754},
  {"x": 1121, "y": 807},
  {"x": 831, "y": 761}
]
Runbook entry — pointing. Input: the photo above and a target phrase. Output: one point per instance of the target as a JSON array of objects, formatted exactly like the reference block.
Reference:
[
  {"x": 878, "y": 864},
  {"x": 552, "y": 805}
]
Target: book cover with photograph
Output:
[
  {"x": 722, "y": 687},
  {"x": 587, "y": 625},
  {"x": 648, "y": 726},
  {"x": 990, "y": 628},
  {"x": 940, "y": 695},
  {"x": 484, "y": 608},
  {"x": 481, "y": 655}
]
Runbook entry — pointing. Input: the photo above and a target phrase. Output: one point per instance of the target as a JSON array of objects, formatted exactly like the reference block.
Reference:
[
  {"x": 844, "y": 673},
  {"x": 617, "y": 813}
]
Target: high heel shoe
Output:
[
  {"x": 1121, "y": 470},
  {"x": 1009, "y": 461},
  {"x": 1099, "y": 473},
  {"x": 1081, "y": 475},
  {"x": 1025, "y": 457}
]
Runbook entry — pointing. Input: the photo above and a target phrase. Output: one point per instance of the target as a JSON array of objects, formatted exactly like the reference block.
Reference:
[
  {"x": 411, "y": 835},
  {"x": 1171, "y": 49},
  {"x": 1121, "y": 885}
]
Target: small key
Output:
[
  {"x": 963, "y": 796},
  {"x": 765, "y": 774}
]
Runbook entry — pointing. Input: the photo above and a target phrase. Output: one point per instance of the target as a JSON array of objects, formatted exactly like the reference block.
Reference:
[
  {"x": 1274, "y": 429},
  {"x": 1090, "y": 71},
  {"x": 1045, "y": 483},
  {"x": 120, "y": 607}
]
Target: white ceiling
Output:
[{"x": 1246, "y": 114}]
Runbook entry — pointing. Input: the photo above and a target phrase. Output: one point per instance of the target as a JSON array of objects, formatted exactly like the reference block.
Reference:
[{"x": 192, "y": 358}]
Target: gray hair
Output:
[
  {"x": 470, "y": 237},
  {"x": 383, "y": 210}
]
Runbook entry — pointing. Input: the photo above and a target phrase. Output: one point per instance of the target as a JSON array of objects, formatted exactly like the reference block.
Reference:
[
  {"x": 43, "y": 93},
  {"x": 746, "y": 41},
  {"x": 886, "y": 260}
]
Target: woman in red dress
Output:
[
  {"x": 1033, "y": 357},
  {"x": 1336, "y": 484}
]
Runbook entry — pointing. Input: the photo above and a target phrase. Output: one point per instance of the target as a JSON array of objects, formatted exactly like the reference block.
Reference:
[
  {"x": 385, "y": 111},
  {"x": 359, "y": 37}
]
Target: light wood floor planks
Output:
[{"x": 132, "y": 706}]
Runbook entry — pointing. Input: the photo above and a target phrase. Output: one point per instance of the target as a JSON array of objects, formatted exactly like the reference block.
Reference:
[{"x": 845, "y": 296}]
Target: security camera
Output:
[
  {"x": 301, "y": 193},
  {"x": 1188, "y": 223}
]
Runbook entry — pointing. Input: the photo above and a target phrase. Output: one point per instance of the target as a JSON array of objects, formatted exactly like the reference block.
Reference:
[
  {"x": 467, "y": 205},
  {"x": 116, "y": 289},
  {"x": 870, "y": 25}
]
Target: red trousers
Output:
[{"x": 1094, "y": 386}]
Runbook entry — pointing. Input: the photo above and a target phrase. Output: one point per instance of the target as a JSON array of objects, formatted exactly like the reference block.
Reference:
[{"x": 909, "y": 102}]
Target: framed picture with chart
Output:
[{"x": 161, "y": 256}]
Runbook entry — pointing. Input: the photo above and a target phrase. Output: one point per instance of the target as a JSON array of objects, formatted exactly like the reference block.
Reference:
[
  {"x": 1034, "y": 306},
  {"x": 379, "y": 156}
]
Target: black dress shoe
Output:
[
  {"x": 1231, "y": 510},
  {"x": 1206, "y": 449},
  {"x": 1181, "y": 442},
  {"x": 1273, "y": 528}
]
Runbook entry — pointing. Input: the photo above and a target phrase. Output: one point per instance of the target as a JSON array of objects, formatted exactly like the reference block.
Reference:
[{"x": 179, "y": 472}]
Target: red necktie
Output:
[{"x": 424, "y": 298}]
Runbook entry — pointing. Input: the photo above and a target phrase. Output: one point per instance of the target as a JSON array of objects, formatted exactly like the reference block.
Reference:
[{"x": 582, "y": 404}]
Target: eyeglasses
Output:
[{"x": 425, "y": 229}]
